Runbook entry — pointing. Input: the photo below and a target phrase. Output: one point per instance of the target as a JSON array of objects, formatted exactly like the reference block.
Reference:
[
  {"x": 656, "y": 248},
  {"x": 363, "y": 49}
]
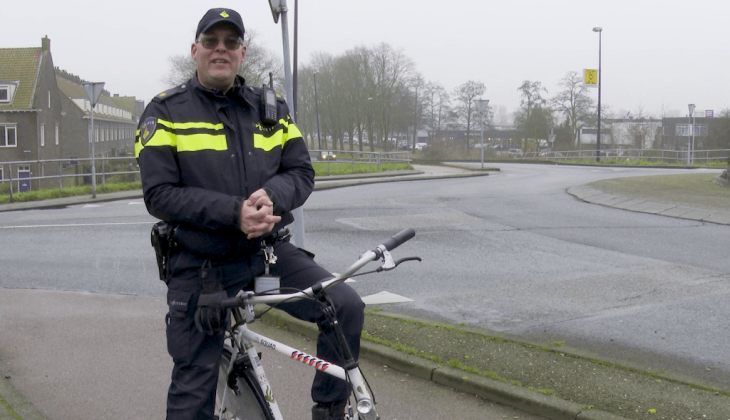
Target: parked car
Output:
[
  {"x": 515, "y": 153},
  {"x": 327, "y": 155},
  {"x": 421, "y": 146}
]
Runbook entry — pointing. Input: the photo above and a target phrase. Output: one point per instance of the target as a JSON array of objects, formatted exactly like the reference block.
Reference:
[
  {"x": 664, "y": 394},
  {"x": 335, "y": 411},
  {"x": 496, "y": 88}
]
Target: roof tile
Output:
[{"x": 22, "y": 65}]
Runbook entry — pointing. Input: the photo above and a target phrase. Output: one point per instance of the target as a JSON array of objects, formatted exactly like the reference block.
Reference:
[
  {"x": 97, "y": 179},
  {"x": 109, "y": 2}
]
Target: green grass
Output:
[
  {"x": 644, "y": 162},
  {"x": 346, "y": 168},
  {"x": 69, "y": 192},
  {"x": 690, "y": 190}
]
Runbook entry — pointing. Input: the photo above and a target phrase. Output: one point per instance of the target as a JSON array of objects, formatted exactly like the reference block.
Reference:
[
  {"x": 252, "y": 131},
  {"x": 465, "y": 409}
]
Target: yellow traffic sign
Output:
[{"x": 590, "y": 77}]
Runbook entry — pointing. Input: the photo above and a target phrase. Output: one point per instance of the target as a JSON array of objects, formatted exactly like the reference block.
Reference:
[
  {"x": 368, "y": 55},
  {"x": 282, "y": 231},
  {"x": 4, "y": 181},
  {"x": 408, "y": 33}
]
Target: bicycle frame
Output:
[{"x": 245, "y": 339}]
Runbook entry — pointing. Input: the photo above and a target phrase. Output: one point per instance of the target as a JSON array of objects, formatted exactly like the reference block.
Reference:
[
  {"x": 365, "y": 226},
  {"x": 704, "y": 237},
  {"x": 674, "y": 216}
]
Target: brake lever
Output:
[{"x": 396, "y": 263}]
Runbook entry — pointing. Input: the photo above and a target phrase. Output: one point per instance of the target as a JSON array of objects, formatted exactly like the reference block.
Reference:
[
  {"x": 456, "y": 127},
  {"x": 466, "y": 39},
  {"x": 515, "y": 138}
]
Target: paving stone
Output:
[
  {"x": 651, "y": 207},
  {"x": 722, "y": 217}
]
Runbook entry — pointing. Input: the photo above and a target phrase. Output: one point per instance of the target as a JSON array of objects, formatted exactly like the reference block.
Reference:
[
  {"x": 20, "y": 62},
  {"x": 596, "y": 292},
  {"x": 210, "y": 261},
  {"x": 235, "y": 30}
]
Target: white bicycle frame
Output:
[{"x": 246, "y": 339}]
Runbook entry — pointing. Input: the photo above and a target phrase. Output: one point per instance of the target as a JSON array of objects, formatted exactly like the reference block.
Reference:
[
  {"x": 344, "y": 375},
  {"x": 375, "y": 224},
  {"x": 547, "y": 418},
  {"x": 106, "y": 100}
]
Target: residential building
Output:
[
  {"x": 45, "y": 121},
  {"x": 30, "y": 111}
]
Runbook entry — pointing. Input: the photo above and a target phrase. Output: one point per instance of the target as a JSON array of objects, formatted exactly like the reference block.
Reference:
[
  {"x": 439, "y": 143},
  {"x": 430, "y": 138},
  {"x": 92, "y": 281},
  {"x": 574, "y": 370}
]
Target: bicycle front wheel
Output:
[{"x": 244, "y": 399}]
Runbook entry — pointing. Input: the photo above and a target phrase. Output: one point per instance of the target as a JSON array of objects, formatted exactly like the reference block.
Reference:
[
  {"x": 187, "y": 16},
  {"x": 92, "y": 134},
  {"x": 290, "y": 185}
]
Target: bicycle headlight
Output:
[{"x": 366, "y": 410}]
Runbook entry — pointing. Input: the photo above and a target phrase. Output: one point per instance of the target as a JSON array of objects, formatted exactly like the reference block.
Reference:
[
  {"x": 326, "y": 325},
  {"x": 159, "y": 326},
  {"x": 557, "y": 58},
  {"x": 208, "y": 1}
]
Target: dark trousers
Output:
[{"x": 196, "y": 355}]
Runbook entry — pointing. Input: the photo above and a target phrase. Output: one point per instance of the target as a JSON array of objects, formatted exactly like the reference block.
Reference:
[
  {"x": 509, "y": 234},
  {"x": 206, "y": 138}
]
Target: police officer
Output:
[{"x": 224, "y": 174}]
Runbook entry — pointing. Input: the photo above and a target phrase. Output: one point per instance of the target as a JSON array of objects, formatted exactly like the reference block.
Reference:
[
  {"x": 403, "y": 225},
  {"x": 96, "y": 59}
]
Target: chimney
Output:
[{"x": 46, "y": 44}]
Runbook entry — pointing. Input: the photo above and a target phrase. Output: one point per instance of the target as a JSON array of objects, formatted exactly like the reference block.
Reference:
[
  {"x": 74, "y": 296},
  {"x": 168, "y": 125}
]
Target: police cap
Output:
[{"x": 218, "y": 15}]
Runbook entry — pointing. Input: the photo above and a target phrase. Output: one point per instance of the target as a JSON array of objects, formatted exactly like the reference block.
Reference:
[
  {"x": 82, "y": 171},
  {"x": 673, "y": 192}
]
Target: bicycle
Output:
[{"x": 243, "y": 390}]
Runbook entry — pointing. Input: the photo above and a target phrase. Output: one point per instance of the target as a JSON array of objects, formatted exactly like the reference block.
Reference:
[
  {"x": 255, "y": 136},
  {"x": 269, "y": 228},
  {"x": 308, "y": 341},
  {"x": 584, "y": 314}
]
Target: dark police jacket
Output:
[{"x": 202, "y": 153}]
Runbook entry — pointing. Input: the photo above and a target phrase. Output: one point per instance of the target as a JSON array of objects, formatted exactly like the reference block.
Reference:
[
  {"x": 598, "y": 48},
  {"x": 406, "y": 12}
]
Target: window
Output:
[
  {"x": 43, "y": 134},
  {"x": 55, "y": 134},
  {"x": 4, "y": 94},
  {"x": 2, "y": 175},
  {"x": 683, "y": 130},
  {"x": 49, "y": 99},
  {"x": 8, "y": 136}
]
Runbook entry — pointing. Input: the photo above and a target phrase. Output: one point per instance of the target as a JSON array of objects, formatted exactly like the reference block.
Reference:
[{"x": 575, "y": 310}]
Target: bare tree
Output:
[
  {"x": 390, "y": 68},
  {"x": 438, "y": 103},
  {"x": 502, "y": 117},
  {"x": 573, "y": 102},
  {"x": 465, "y": 95}
]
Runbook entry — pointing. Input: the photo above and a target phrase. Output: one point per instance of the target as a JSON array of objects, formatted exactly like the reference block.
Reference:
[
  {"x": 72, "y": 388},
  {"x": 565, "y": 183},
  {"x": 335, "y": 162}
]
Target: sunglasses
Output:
[{"x": 210, "y": 42}]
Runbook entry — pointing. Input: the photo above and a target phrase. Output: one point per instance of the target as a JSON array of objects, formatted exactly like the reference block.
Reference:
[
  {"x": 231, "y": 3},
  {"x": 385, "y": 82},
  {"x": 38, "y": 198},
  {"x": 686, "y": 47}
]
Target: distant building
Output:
[
  {"x": 44, "y": 115},
  {"x": 623, "y": 133}
]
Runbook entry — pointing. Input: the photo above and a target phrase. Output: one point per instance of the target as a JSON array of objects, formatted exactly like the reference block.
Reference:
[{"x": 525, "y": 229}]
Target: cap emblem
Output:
[{"x": 224, "y": 14}]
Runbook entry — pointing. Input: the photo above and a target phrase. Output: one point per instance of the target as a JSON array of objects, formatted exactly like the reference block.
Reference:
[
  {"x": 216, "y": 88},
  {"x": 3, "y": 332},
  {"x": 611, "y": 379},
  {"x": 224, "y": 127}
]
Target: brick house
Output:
[
  {"x": 30, "y": 111},
  {"x": 45, "y": 115}
]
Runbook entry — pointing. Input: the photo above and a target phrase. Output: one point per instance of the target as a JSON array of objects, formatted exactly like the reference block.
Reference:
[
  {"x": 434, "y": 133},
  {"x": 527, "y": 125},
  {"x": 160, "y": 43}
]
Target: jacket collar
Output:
[{"x": 237, "y": 90}]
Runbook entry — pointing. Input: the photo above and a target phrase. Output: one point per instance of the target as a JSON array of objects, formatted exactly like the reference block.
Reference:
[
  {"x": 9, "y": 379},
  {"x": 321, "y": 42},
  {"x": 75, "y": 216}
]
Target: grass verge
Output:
[
  {"x": 691, "y": 190},
  {"x": 69, "y": 192}
]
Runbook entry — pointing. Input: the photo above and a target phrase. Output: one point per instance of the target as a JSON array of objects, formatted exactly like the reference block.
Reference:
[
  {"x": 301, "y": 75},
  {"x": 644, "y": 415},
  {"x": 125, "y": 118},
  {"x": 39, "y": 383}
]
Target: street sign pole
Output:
[
  {"x": 279, "y": 9},
  {"x": 93, "y": 92}
]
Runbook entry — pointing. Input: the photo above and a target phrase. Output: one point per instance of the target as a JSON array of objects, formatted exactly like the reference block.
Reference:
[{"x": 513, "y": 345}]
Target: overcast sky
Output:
[{"x": 657, "y": 56}]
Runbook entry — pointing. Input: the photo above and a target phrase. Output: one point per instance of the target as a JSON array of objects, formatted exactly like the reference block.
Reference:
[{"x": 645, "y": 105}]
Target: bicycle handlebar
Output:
[
  {"x": 399, "y": 238},
  {"x": 372, "y": 255}
]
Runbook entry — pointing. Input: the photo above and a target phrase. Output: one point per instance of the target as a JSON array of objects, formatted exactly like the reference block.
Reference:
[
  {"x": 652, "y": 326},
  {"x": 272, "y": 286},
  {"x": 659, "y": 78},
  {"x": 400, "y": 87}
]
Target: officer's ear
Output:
[
  {"x": 243, "y": 53},
  {"x": 194, "y": 51}
]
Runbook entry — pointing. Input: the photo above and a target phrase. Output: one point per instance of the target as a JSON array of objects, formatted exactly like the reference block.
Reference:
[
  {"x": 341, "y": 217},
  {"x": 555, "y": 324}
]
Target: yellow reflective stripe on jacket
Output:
[
  {"x": 277, "y": 138},
  {"x": 189, "y": 125},
  {"x": 195, "y": 142},
  {"x": 172, "y": 135}
]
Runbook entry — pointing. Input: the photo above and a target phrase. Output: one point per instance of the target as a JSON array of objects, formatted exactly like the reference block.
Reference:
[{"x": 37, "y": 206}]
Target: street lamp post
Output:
[
  {"x": 316, "y": 106},
  {"x": 371, "y": 136},
  {"x": 690, "y": 138},
  {"x": 482, "y": 105},
  {"x": 598, "y": 136}
]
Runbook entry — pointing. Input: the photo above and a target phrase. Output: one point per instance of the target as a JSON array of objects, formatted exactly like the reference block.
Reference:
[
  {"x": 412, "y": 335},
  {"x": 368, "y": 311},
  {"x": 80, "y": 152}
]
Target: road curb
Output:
[
  {"x": 15, "y": 406},
  {"x": 640, "y": 205},
  {"x": 529, "y": 401}
]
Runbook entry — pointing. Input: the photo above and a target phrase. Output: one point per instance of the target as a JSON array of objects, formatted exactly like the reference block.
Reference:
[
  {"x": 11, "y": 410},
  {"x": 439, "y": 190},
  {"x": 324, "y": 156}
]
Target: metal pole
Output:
[
  {"x": 691, "y": 108},
  {"x": 295, "y": 82},
  {"x": 598, "y": 137},
  {"x": 481, "y": 124},
  {"x": 297, "y": 212},
  {"x": 10, "y": 184},
  {"x": 316, "y": 106},
  {"x": 692, "y": 133},
  {"x": 93, "y": 162}
]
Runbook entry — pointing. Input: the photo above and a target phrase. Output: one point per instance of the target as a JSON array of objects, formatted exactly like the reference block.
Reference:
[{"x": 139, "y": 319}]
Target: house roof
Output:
[
  {"x": 20, "y": 65},
  {"x": 75, "y": 90}
]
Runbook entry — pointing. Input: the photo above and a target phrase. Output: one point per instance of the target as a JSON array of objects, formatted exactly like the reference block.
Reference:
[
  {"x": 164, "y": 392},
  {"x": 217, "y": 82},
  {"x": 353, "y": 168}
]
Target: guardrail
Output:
[
  {"x": 22, "y": 176},
  {"x": 652, "y": 155},
  {"x": 340, "y": 157}
]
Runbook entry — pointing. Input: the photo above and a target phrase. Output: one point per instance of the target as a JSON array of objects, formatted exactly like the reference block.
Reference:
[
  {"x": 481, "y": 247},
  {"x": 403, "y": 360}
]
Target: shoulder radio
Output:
[{"x": 269, "y": 114}]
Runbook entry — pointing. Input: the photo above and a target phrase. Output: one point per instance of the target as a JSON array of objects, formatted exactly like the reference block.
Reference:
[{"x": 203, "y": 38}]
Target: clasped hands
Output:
[{"x": 257, "y": 215}]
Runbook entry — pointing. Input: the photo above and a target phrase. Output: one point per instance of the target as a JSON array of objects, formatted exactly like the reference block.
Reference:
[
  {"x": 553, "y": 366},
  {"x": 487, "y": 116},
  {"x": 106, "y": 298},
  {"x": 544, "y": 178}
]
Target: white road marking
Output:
[
  {"x": 76, "y": 225},
  {"x": 384, "y": 297}
]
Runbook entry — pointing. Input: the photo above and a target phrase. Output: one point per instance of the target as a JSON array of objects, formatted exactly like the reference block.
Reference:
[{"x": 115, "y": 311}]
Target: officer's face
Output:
[{"x": 217, "y": 67}]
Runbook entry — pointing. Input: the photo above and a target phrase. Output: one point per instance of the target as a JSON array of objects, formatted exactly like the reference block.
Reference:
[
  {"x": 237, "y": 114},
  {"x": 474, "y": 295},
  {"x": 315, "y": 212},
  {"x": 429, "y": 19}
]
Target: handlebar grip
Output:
[
  {"x": 230, "y": 302},
  {"x": 399, "y": 238}
]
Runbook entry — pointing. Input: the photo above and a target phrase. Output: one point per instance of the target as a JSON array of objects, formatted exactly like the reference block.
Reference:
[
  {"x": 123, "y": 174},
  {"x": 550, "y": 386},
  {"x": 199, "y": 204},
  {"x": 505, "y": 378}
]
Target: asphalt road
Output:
[{"x": 510, "y": 252}]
